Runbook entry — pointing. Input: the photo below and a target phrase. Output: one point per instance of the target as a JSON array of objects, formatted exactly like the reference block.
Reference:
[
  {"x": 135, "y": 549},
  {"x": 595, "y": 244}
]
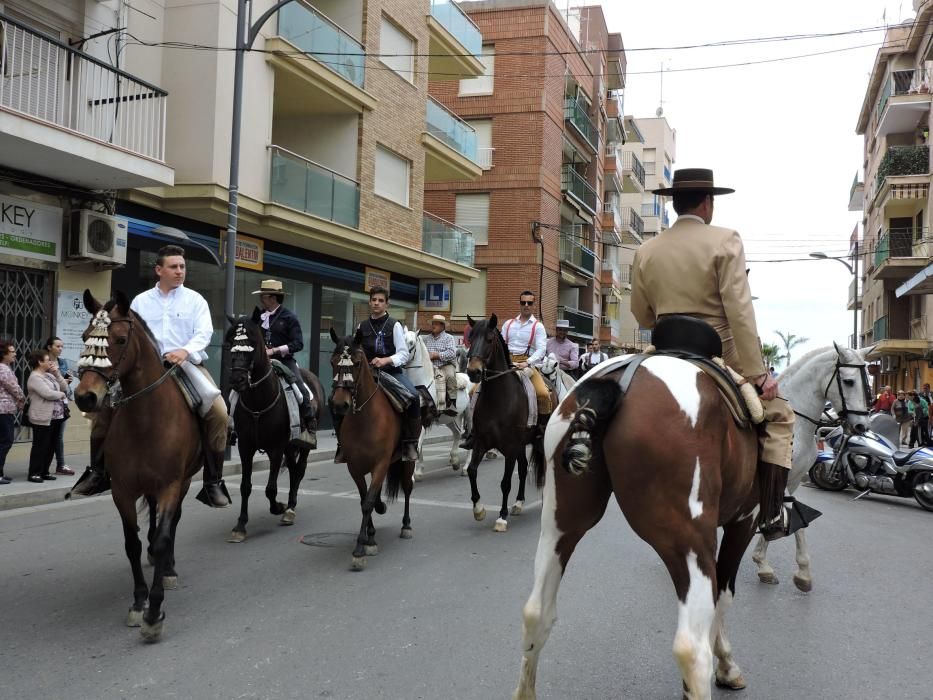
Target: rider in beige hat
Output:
[{"x": 442, "y": 348}]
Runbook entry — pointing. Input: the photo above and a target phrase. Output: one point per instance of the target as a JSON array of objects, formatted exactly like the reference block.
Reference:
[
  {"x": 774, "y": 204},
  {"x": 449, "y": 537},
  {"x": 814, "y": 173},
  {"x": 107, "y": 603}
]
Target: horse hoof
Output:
[
  {"x": 464, "y": 472},
  {"x": 737, "y": 683},
  {"x": 406, "y": 533},
  {"x": 380, "y": 508},
  {"x": 152, "y": 633},
  {"x": 804, "y": 585},
  {"x": 370, "y": 550},
  {"x": 169, "y": 583},
  {"x": 358, "y": 564},
  {"x": 479, "y": 515},
  {"x": 419, "y": 475},
  {"x": 501, "y": 525},
  {"x": 134, "y": 618},
  {"x": 236, "y": 537},
  {"x": 517, "y": 508},
  {"x": 288, "y": 517},
  {"x": 768, "y": 578},
  {"x": 277, "y": 508}
]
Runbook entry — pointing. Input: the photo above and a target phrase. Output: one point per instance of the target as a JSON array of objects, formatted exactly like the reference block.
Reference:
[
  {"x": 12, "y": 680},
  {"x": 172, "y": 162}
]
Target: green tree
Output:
[
  {"x": 772, "y": 354},
  {"x": 790, "y": 341}
]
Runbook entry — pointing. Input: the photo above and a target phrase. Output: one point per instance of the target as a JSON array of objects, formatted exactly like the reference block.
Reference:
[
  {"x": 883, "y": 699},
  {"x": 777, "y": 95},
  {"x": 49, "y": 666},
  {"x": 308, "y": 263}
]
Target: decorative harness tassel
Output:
[
  {"x": 579, "y": 450},
  {"x": 95, "y": 347}
]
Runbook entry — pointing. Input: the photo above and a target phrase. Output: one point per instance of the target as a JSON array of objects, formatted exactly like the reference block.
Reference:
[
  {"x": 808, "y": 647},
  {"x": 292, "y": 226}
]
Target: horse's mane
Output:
[
  {"x": 794, "y": 368},
  {"x": 501, "y": 346}
]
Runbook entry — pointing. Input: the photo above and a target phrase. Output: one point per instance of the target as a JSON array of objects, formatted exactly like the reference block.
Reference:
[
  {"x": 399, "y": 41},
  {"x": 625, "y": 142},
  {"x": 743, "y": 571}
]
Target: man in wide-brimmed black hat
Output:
[{"x": 698, "y": 270}]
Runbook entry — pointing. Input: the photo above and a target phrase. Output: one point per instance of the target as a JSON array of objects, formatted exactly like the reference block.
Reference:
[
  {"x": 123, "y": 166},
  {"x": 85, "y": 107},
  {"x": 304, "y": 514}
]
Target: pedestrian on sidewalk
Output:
[
  {"x": 46, "y": 413},
  {"x": 920, "y": 412},
  {"x": 11, "y": 401},
  {"x": 55, "y": 346},
  {"x": 901, "y": 412}
]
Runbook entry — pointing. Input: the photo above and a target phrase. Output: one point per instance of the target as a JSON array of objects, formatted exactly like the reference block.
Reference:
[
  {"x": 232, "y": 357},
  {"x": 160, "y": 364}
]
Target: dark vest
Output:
[{"x": 378, "y": 333}]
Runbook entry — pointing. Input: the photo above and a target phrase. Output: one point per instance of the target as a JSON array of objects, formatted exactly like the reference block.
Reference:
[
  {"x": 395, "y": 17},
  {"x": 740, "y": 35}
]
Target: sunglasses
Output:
[{"x": 527, "y": 303}]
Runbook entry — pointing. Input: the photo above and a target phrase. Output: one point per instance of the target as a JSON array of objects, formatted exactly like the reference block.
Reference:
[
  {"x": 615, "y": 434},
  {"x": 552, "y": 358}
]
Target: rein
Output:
[{"x": 846, "y": 411}]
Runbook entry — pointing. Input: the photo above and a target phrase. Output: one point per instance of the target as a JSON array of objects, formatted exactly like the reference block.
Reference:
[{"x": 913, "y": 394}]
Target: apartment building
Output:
[
  {"x": 553, "y": 78},
  {"x": 101, "y": 125},
  {"x": 895, "y": 202}
]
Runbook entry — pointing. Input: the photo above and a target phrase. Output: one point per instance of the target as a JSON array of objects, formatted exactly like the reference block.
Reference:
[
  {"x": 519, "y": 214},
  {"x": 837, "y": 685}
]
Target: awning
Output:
[{"x": 921, "y": 283}]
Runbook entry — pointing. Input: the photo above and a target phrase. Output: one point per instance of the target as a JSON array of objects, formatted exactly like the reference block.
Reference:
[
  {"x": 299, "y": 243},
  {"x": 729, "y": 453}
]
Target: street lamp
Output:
[
  {"x": 179, "y": 235},
  {"x": 855, "y": 302}
]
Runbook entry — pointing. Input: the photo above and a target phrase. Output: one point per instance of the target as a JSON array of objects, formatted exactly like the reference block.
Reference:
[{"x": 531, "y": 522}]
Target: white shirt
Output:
[
  {"x": 591, "y": 359},
  {"x": 179, "y": 320},
  {"x": 518, "y": 335}
]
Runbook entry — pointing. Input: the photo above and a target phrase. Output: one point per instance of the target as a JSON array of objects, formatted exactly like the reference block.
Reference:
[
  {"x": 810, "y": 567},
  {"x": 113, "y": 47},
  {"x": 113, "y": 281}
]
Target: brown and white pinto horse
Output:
[{"x": 680, "y": 468}]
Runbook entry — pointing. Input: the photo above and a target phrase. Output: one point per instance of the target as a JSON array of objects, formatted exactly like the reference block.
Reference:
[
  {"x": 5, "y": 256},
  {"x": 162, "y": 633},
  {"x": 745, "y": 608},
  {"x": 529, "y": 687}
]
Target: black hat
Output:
[{"x": 693, "y": 180}]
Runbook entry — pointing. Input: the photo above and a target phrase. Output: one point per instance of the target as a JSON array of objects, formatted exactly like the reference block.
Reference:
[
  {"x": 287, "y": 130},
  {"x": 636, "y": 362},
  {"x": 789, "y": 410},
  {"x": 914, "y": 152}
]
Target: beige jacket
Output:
[
  {"x": 699, "y": 270},
  {"x": 43, "y": 396}
]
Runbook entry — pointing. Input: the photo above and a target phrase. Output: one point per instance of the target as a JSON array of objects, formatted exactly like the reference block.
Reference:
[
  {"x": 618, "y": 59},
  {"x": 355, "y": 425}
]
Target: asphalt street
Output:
[{"x": 438, "y": 616}]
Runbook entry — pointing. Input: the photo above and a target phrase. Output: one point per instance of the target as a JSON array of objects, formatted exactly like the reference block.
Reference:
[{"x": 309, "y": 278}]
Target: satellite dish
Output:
[{"x": 659, "y": 112}]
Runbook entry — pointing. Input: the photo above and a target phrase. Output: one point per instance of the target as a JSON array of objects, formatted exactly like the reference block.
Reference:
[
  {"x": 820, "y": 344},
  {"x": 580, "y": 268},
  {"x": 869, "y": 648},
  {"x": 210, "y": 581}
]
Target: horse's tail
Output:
[
  {"x": 394, "y": 480},
  {"x": 597, "y": 401},
  {"x": 538, "y": 462}
]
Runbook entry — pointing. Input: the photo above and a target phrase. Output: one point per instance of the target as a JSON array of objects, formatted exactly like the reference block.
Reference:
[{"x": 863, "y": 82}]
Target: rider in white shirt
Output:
[
  {"x": 527, "y": 340},
  {"x": 180, "y": 321}
]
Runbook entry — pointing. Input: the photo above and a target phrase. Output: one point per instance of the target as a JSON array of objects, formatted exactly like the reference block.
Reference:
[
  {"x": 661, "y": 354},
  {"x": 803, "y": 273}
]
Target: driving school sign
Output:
[
  {"x": 434, "y": 295},
  {"x": 30, "y": 230}
]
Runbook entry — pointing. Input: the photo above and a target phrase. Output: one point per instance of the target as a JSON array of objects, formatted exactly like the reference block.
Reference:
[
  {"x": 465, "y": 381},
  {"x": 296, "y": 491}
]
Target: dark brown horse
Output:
[
  {"x": 500, "y": 417},
  {"x": 369, "y": 435},
  {"x": 680, "y": 468},
  {"x": 261, "y": 421},
  {"x": 153, "y": 446}
]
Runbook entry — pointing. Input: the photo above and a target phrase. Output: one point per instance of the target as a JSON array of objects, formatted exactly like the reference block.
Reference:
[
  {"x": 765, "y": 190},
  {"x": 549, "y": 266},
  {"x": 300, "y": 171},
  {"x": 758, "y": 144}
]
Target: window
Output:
[
  {"x": 482, "y": 85},
  {"x": 396, "y": 50},
  {"x": 392, "y": 176},
  {"x": 483, "y": 129},
  {"x": 473, "y": 215}
]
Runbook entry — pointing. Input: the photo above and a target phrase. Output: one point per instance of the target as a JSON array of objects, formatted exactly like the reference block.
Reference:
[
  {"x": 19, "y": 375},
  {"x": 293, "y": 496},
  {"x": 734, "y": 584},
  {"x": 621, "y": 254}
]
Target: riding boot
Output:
[
  {"x": 214, "y": 491},
  {"x": 308, "y": 436},
  {"x": 451, "y": 408},
  {"x": 338, "y": 455},
  {"x": 773, "y": 518},
  {"x": 95, "y": 479},
  {"x": 411, "y": 431}
]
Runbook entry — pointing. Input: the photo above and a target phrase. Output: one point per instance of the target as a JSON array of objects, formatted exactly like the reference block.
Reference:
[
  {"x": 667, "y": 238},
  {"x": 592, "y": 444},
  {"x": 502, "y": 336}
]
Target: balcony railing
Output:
[
  {"x": 576, "y": 254},
  {"x": 855, "y": 294},
  {"x": 651, "y": 167},
  {"x": 484, "y": 157},
  {"x": 631, "y": 163},
  {"x": 52, "y": 82},
  {"x": 456, "y": 21},
  {"x": 894, "y": 244},
  {"x": 451, "y": 129},
  {"x": 617, "y": 97},
  {"x": 902, "y": 82},
  {"x": 880, "y": 330},
  {"x": 611, "y": 206},
  {"x": 447, "y": 240},
  {"x": 575, "y": 113},
  {"x": 633, "y": 221},
  {"x": 625, "y": 273},
  {"x": 584, "y": 324},
  {"x": 903, "y": 160},
  {"x": 317, "y": 36},
  {"x": 574, "y": 184},
  {"x": 304, "y": 185},
  {"x": 651, "y": 210},
  {"x": 641, "y": 338}
]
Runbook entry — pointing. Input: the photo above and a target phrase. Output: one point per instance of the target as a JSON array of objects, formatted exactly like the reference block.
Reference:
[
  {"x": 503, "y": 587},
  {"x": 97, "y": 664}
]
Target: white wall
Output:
[
  {"x": 331, "y": 140},
  {"x": 346, "y": 14}
]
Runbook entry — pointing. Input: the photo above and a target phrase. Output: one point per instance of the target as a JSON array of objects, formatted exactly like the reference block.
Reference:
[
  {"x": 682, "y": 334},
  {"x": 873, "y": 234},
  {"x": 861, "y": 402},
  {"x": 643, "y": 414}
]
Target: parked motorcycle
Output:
[{"x": 872, "y": 463}]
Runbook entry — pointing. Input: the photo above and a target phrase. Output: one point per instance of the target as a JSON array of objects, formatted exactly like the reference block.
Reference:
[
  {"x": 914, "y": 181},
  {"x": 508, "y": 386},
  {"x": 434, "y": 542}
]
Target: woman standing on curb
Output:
[
  {"x": 46, "y": 413},
  {"x": 11, "y": 401},
  {"x": 55, "y": 347}
]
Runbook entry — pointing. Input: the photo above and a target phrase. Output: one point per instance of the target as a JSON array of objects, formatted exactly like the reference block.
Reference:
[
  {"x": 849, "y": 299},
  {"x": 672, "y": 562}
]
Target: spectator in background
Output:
[
  {"x": 467, "y": 330},
  {"x": 55, "y": 346},
  {"x": 901, "y": 412},
  {"x": 592, "y": 357},
  {"x": 884, "y": 401},
  {"x": 46, "y": 412},
  {"x": 566, "y": 351},
  {"x": 11, "y": 401},
  {"x": 920, "y": 412}
]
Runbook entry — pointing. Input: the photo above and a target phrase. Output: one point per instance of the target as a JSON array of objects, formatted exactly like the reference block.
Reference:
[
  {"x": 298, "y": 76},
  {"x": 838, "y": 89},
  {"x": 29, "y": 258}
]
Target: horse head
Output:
[
  {"x": 487, "y": 348},
  {"x": 549, "y": 366},
  {"x": 848, "y": 388},
  {"x": 247, "y": 351},
  {"x": 111, "y": 349},
  {"x": 349, "y": 366}
]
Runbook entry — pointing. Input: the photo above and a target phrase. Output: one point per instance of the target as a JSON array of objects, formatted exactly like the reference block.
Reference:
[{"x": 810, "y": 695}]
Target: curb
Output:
[{"x": 41, "y": 497}]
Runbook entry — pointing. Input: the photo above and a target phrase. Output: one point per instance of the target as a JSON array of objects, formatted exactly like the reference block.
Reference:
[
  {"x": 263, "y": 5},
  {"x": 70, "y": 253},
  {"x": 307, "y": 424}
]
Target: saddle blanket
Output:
[
  {"x": 525, "y": 376},
  {"x": 292, "y": 401}
]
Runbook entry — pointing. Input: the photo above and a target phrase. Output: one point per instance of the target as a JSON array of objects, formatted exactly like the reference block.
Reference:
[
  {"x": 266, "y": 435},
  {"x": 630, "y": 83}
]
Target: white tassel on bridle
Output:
[
  {"x": 242, "y": 341},
  {"x": 345, "y": 368},
  {"x": 95, "y": 347}
]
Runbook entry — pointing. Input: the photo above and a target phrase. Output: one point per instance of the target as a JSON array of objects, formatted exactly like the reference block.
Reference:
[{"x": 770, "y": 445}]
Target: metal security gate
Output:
[{"x": 25, "y": 316}]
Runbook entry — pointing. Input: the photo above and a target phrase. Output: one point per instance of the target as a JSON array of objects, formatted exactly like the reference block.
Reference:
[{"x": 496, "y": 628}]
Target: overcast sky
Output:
[{"x": 782, "y": 134}]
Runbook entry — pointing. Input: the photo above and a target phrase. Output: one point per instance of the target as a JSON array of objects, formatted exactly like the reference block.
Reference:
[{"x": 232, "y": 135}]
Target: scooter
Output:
[{"x": 872, "y": 463}]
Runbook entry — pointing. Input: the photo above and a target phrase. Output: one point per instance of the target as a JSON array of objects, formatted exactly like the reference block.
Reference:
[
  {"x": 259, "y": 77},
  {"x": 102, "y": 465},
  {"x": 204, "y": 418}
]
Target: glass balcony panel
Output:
[
  {"x": 314, "y": 33},
  {"x": 449, "y": 128},
  {"x": 309, "y": 187},
  {"x": 456, "y": 21}
]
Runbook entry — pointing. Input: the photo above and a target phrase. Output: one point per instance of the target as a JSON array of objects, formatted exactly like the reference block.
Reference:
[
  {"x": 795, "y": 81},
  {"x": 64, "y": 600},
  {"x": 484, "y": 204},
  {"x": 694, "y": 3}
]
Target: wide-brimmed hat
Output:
[
  {"x": 270, "y": 287},
  {"x": 563, "y": 323},
  {"x": 437, "y": 318},
  {"x": 693, "y": 180}
]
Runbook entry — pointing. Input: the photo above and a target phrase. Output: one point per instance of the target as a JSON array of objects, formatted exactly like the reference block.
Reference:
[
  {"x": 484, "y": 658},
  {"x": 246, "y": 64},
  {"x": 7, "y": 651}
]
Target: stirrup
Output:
[
  {"x": 92, "y": 482},
  {"x": 214, "y": 494},
  {"x": 304, "y": 439}
]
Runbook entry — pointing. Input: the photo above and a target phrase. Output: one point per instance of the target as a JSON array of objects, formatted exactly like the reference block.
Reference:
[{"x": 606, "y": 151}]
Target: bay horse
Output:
[
  {"x": 262, "y": 422},
  {"x": 675, "y": 486},
  {"x": 800, "y": 384},
  {"x": 371, "y": 429},
  {"x": 153, "y": 446},
  {"x": 500, "y": 418}
]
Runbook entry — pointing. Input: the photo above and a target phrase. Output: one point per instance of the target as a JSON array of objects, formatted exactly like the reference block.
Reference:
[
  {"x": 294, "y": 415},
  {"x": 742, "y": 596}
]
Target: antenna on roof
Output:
[{"x": 660, "y": 110}]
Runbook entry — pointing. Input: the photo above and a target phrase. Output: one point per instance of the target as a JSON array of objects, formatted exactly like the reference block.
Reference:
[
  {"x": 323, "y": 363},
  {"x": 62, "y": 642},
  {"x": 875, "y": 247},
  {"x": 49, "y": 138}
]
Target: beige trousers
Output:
[
  {"x": 216, "y": 419},
  {"x": 445, "y": 384},
  {"x": 541, "y": 390}
]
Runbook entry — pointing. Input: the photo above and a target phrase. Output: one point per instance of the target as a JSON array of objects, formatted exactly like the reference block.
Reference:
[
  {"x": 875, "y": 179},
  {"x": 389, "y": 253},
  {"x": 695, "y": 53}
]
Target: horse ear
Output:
[
  {"x": 493, "y": 321},
  {"x": 121, "y": 302},
  {"x": 232, "y": 319},
  {"x": 470, "y": 321},
  {"x": 90, "y": 303},
  {"x": 358, "y": 337},
  {"x": 333, "y": 336}
]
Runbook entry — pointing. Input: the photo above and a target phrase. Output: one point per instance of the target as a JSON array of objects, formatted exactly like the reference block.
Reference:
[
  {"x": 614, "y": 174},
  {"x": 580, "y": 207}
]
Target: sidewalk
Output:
[{"x": 22, "y": 493}]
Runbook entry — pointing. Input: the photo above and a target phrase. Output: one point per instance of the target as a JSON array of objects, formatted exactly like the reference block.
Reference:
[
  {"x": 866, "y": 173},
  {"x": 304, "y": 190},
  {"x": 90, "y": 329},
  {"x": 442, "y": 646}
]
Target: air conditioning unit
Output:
[
  {"x": 889, "y": 363},
  {"x": 97, "y": 237}
]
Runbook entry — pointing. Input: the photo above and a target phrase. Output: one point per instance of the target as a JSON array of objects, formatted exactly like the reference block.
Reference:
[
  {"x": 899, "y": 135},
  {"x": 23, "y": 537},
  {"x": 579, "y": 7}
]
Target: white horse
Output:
[
  {"x": 803, "y": 384},
  {"x": 421, "y": 373},
  {"x": 563, "y": 382}
]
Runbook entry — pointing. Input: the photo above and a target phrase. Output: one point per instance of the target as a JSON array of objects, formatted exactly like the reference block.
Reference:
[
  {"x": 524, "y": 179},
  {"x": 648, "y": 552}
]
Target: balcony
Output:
[
  {"x": 575, "y": 115},
  {"x": 450, "y": 143},
  {"x": 304, "y": 185},
  {"x": 456, "y": 43},
  {"x": 900, "y": 254},
  {"x": 892, "y": 334},
  {"x": 612, "y": 215},
  {"x": 633, "y": 173},
  {"x": 617, "y": 62},
  {"x": 577, "y": 255},
  {"x": 902, "y": 102},
  {"x": 615, "y": 104},
  {"x": 447, "y": 240},
  {"x": 855, "y": 296},
  {"x": 633, "y": 223},
  {"x": 320, "y": 68},
  {"x": 584, "y": 324},
  {"x": 575, "y": 186},
  {"x": 73, "y": 118},
  {"x": 902, "y": 179},
  {"x": 856, "y": 195}
]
